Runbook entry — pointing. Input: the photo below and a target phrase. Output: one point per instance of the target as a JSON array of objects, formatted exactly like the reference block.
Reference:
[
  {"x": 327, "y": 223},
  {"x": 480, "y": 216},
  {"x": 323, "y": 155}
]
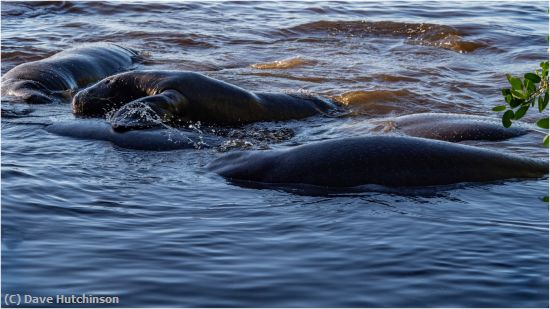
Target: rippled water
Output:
[{"x": 156, "y": 228}]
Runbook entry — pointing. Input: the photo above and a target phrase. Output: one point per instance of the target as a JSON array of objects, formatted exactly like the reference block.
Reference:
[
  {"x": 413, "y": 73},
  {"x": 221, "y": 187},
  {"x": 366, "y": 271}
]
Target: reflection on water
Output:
[
  {"x": 156, "y": 228},
  {"x": 284, "y": 64}
]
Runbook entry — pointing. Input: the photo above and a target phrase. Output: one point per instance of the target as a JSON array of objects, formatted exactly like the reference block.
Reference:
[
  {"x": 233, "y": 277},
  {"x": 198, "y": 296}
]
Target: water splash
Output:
[
  {"x": 140, "y": 115},
  {"x": 135, "y": 114},
  {"x": 253, "y": 137}
]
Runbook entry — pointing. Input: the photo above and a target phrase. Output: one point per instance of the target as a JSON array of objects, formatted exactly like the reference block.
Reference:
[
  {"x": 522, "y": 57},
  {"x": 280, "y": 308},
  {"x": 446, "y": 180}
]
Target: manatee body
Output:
[
  {"x": 151, "y": 139},
  {"x": 144, "y": 98},
  {"x": 55, "y": 77},
  {"x": 450, "y": 127},
  {"x": 382, "y": 160}
]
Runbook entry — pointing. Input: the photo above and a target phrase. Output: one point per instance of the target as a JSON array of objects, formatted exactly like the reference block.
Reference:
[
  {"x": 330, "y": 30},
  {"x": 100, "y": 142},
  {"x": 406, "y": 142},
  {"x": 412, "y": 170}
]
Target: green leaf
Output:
[
  {"x": 545, "y": 199},
  {"x": 532, "y": 77},
  {"x": 508, "y": 98},
  {"x": 543, "y": 123},
  {"x": 505, "y": 92},
  {"x": 521, "y": 112},
  {"x": 499, "y": 108},
  {"x": 544, "y": 66},
  {"x": 518, "y": 94},
  {"x": 507, "y": 118},
  {"x": 515, "y": 82},
  {"x": 516, "y": 102},
  {"x": 529, "y": 86},
  {"x": 543, "y": 103},
  {"x": 546, "y": 98},
  {"x": 545, "y": 140}
]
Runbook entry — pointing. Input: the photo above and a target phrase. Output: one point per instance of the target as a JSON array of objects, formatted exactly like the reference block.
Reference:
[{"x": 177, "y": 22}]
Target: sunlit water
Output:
[{"x": 156, "y": 228}]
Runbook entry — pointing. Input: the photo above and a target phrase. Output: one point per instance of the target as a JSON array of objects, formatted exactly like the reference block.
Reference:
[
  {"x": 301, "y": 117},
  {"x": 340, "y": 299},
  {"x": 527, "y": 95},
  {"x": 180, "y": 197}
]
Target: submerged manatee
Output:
[
  {"x": 450, "y": 127},
  {"x": 145, "y": 98},
  {"x": 152, "y": 139},
  {"x": 382, "y": 160},
  {"x": 47, "y": 80}
]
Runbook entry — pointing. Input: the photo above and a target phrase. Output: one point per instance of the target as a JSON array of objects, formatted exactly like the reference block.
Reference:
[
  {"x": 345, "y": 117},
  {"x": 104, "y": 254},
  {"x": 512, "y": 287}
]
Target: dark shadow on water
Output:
[{"x": 440, "y": 191}]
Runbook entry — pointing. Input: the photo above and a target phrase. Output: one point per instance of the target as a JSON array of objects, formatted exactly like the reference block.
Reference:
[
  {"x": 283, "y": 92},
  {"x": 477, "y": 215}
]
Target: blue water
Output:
[{"x": 158, "y": 229}]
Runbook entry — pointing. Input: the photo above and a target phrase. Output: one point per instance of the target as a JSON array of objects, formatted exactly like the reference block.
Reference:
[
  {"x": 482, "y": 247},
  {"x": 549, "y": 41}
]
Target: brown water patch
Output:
[
  {"x": 36, "y": 8},
  {"x": 241, "y": 41},
  {"x": 452, "y": 42},
  {"x": 435, "y": 35},
  {"x": 21, "y": 56},
  {"x": 394, "y": 78},
  {"x": 12, "y": 57},
  {"x": 291, "y": 77},
  {"x": 384, "y": 102},
  {"x": 289, "y": 63},
  {"x": 359, "y": 97},
  {"x": 181, "y": 39},
  {"x": 151, "y": 39}
]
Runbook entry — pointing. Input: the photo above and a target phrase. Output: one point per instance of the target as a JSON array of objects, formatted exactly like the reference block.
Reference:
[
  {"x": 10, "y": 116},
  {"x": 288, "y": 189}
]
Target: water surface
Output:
[{"x": 158, "y": 229}]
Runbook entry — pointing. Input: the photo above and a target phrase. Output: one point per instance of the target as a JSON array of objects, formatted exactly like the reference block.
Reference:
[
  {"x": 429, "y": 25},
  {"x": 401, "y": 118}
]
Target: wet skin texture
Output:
[
  {"x": 451, "y": 127},
  {"x": 382, "y": 160},
  {"x": 152, "y": 139},
  {"x": 143, "y": 99},
  {"x": 58, "y": 76}
]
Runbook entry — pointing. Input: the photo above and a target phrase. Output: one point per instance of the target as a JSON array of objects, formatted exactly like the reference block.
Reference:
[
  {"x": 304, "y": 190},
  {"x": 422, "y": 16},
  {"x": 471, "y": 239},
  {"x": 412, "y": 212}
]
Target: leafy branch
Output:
[{"x": 525, "y": 94}]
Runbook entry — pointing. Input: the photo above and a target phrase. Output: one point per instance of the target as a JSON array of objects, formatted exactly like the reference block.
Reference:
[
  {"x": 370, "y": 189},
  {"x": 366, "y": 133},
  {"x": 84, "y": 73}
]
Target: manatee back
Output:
[
  {"x": 153, "y": 139},
  {"x": 72, "y": 68},
  {"x": 456, "y": 127},
  {"x": 383, "y": 160}
]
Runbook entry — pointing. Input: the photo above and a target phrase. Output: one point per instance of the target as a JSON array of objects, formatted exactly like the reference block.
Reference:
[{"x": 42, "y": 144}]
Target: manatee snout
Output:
[
  {"x": 89, "y": 104},
  {"x": 85, "y": 105}
]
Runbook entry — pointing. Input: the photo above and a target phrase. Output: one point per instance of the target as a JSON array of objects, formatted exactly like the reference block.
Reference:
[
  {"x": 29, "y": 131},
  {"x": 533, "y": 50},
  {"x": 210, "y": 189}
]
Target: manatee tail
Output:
[{"x": 539, "y": 167}]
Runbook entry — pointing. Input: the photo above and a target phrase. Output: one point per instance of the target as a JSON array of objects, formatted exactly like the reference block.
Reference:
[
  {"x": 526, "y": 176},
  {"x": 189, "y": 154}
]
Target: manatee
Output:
[
  {"x": 394, "y": 161},
  {"x": 450, "y": 127},
  {"x": 59, "y": 76},
  {"x": 150, "y": 139},
  {"x": 143, "y": 99}
]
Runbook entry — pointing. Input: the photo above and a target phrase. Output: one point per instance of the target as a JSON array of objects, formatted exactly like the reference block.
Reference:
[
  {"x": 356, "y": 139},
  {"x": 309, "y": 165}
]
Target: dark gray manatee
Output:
[
  {"x": 151, "y": 139},
  {"x": 145, "y": 98},
  {"x": 56, "y": 77},
  {"x": 382, "y": 160},
  {"x": 450, "y": 127}
]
